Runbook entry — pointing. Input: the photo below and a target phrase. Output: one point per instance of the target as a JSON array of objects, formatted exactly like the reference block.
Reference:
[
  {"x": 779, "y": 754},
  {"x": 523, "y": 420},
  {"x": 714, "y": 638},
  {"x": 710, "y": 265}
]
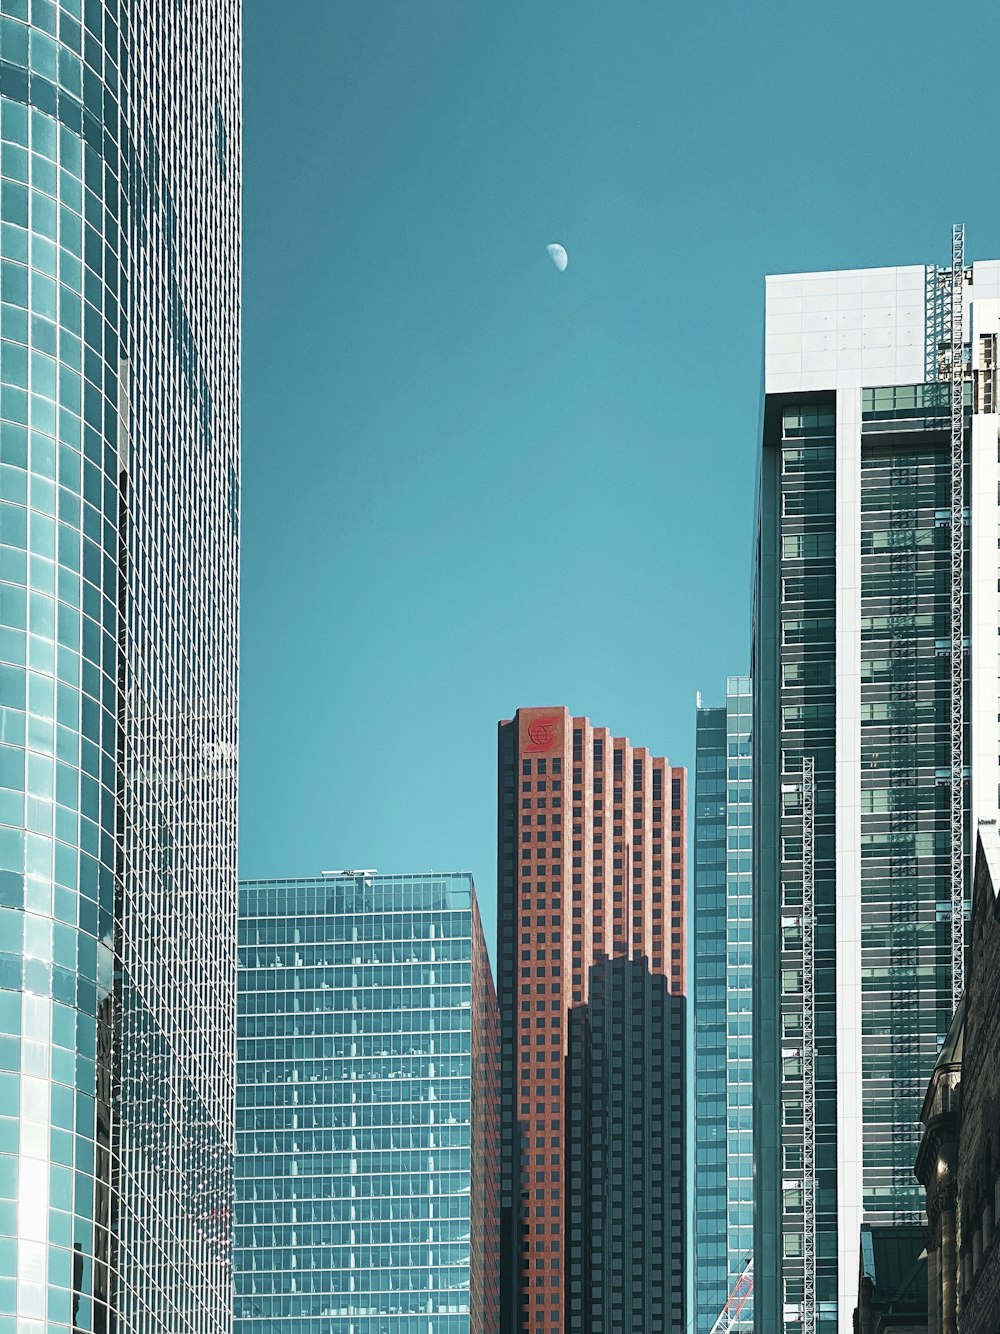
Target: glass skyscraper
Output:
[
  {"x": 624, "y": 1153},
  {"x": 367, "y": 1122},
  {"x": 722, "y": 908},
  {"x": 875, "y": 739},
  {"x": 119, "y": 489},
  {"x": 708, "y": 904}
]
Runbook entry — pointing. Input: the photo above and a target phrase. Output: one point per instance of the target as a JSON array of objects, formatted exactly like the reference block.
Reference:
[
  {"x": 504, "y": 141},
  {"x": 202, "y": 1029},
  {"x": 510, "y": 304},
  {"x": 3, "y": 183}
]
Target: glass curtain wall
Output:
[
  {"x": 119, "y": 488},
  {"x": 356, "y": 1107},
  {"x": 723, "y": 1205},
  {"x": 739, "y": 994},
  {"x": 905, "y": 776},
  {"x": 709, "y": 905},
  {"x": 904, "y": 791},
  {"x": 807, "y": 729}
]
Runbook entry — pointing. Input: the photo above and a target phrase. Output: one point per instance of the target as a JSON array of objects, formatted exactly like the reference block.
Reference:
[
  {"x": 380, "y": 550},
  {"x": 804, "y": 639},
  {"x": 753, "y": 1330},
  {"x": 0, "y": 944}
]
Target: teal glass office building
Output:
[
  {"x": 367, "y": 1121},
  {"x": 722, "y": 913},
  {"x": 119, "y": 486},
  {"x": 875, "y": 738}
]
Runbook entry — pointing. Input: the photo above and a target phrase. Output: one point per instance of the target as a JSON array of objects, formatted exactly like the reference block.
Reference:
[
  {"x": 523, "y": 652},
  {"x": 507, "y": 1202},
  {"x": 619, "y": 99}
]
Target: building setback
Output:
[
  {"x": 119, "y": 505},
  {"x": 367, "y": 1126},
  {"x": 591, "y": 897},
  {"x": 875, "y": 744},
  {"x": 723, "y": 1084}
]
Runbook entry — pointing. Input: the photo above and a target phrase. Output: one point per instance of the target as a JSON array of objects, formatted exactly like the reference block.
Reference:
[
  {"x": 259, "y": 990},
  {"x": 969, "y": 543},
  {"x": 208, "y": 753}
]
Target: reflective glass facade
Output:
[
  {"x": 904, "y": 837},
  {"x": 625, "y": 1153},
  {"x": 723, "y": 904},
  {"x": 870, "y": 733},
  {"x": 367, "y": 1108},
  {"x": 119, "y": 484},
  {"x": 739, "y": 988},
  {"x": 709, "y": 923}
]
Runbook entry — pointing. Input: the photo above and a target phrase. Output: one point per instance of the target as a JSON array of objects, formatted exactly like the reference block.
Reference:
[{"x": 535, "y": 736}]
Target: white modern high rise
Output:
[{"x": 875, "y": 743}]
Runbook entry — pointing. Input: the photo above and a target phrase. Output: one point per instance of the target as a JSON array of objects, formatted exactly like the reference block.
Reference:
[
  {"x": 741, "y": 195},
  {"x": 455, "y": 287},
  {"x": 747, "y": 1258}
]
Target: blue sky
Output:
[{"x": 473, "y": 483}]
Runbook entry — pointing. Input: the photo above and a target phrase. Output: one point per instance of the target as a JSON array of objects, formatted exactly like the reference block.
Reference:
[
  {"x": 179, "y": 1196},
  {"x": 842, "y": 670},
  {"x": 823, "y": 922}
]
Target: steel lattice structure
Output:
[
  {"x": 957, "y": 375},
  {"x": 808, "y": 1045}
]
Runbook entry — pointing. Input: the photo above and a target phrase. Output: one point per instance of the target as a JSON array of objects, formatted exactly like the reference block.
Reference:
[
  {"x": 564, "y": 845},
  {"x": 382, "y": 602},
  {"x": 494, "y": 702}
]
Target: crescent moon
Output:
[{"x": 558, "y": 256}]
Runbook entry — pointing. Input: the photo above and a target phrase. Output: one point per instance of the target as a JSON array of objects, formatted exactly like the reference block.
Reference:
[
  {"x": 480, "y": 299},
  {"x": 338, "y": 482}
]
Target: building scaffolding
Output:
[
  {"x": 808, "y": 1044},
  {"x": 957, "y": 378}
]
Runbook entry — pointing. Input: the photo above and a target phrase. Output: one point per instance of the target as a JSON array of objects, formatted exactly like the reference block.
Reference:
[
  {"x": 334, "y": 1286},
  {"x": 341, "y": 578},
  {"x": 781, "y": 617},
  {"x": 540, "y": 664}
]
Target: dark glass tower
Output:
[
  {"x": 624, "y": 1153},
  {"x": 875, "y": 745},
  {"x": 119, "y": 493}
]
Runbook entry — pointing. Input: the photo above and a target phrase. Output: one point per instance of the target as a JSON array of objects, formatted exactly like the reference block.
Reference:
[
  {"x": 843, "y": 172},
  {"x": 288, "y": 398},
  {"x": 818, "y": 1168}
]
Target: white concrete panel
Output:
[
  {"x": 819, "y": 361},
  {"x": 782, "y": 362},
  {"x": 784, "y": 324},
  {"x": 848, "y": 362},
  {"x": 879, "y": 280},
  {"x": 870, "y": 308},
  {"x": 850, "y": 1182},
  {"x": 875, "y": 360},
  {"x": 823, "y": 285},
  {"x": 784, "y": 383},
  {"x": 878, "y": 317},
  {"x": 780, "y": 343},
  {"x": 984, "y": 616},
  {"x": 986, "y": 278}
]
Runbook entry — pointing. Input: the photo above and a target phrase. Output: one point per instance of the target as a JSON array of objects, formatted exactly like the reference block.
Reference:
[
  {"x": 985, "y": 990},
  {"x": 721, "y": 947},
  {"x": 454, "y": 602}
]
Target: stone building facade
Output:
[{"x": 958, "y": 1159}]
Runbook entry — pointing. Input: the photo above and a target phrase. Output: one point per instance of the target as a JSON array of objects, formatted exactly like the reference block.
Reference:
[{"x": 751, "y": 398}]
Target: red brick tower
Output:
[{"x": 591, "y": 864}]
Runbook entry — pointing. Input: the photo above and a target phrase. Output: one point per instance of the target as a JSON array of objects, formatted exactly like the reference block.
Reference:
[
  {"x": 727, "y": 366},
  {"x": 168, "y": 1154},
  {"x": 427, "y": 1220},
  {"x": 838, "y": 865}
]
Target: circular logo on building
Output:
[{"x": 542, "y": 733}]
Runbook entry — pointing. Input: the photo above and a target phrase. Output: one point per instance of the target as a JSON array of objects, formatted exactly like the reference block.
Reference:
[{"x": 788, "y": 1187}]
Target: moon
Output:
[{"x": 558, "y": 256}]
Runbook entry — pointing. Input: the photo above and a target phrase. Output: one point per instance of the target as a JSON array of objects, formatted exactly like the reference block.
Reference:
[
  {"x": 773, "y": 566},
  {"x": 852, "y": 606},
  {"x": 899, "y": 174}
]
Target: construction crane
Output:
[{"x": 738, "y": 1297}]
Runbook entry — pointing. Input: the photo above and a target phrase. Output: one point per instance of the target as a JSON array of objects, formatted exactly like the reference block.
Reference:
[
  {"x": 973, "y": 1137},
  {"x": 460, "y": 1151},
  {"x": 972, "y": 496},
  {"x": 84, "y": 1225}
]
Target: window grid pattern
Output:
[
  {"x": 723, "y": 899},
  {"x": 591, "y": 864},
  {"x": 625, "y": 1154},
  {"x": 361, "y": 1000},
  {"x": 739, "y": 987},
  {"x": 178, "y": 473},
  {"x": 903, "y": 798},
  {"x": 709, "y": 906},
  {"x": 807, "y": 727},
  {"x": 113, "y": 1194},
  {"x": 905, "y": 792}
]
